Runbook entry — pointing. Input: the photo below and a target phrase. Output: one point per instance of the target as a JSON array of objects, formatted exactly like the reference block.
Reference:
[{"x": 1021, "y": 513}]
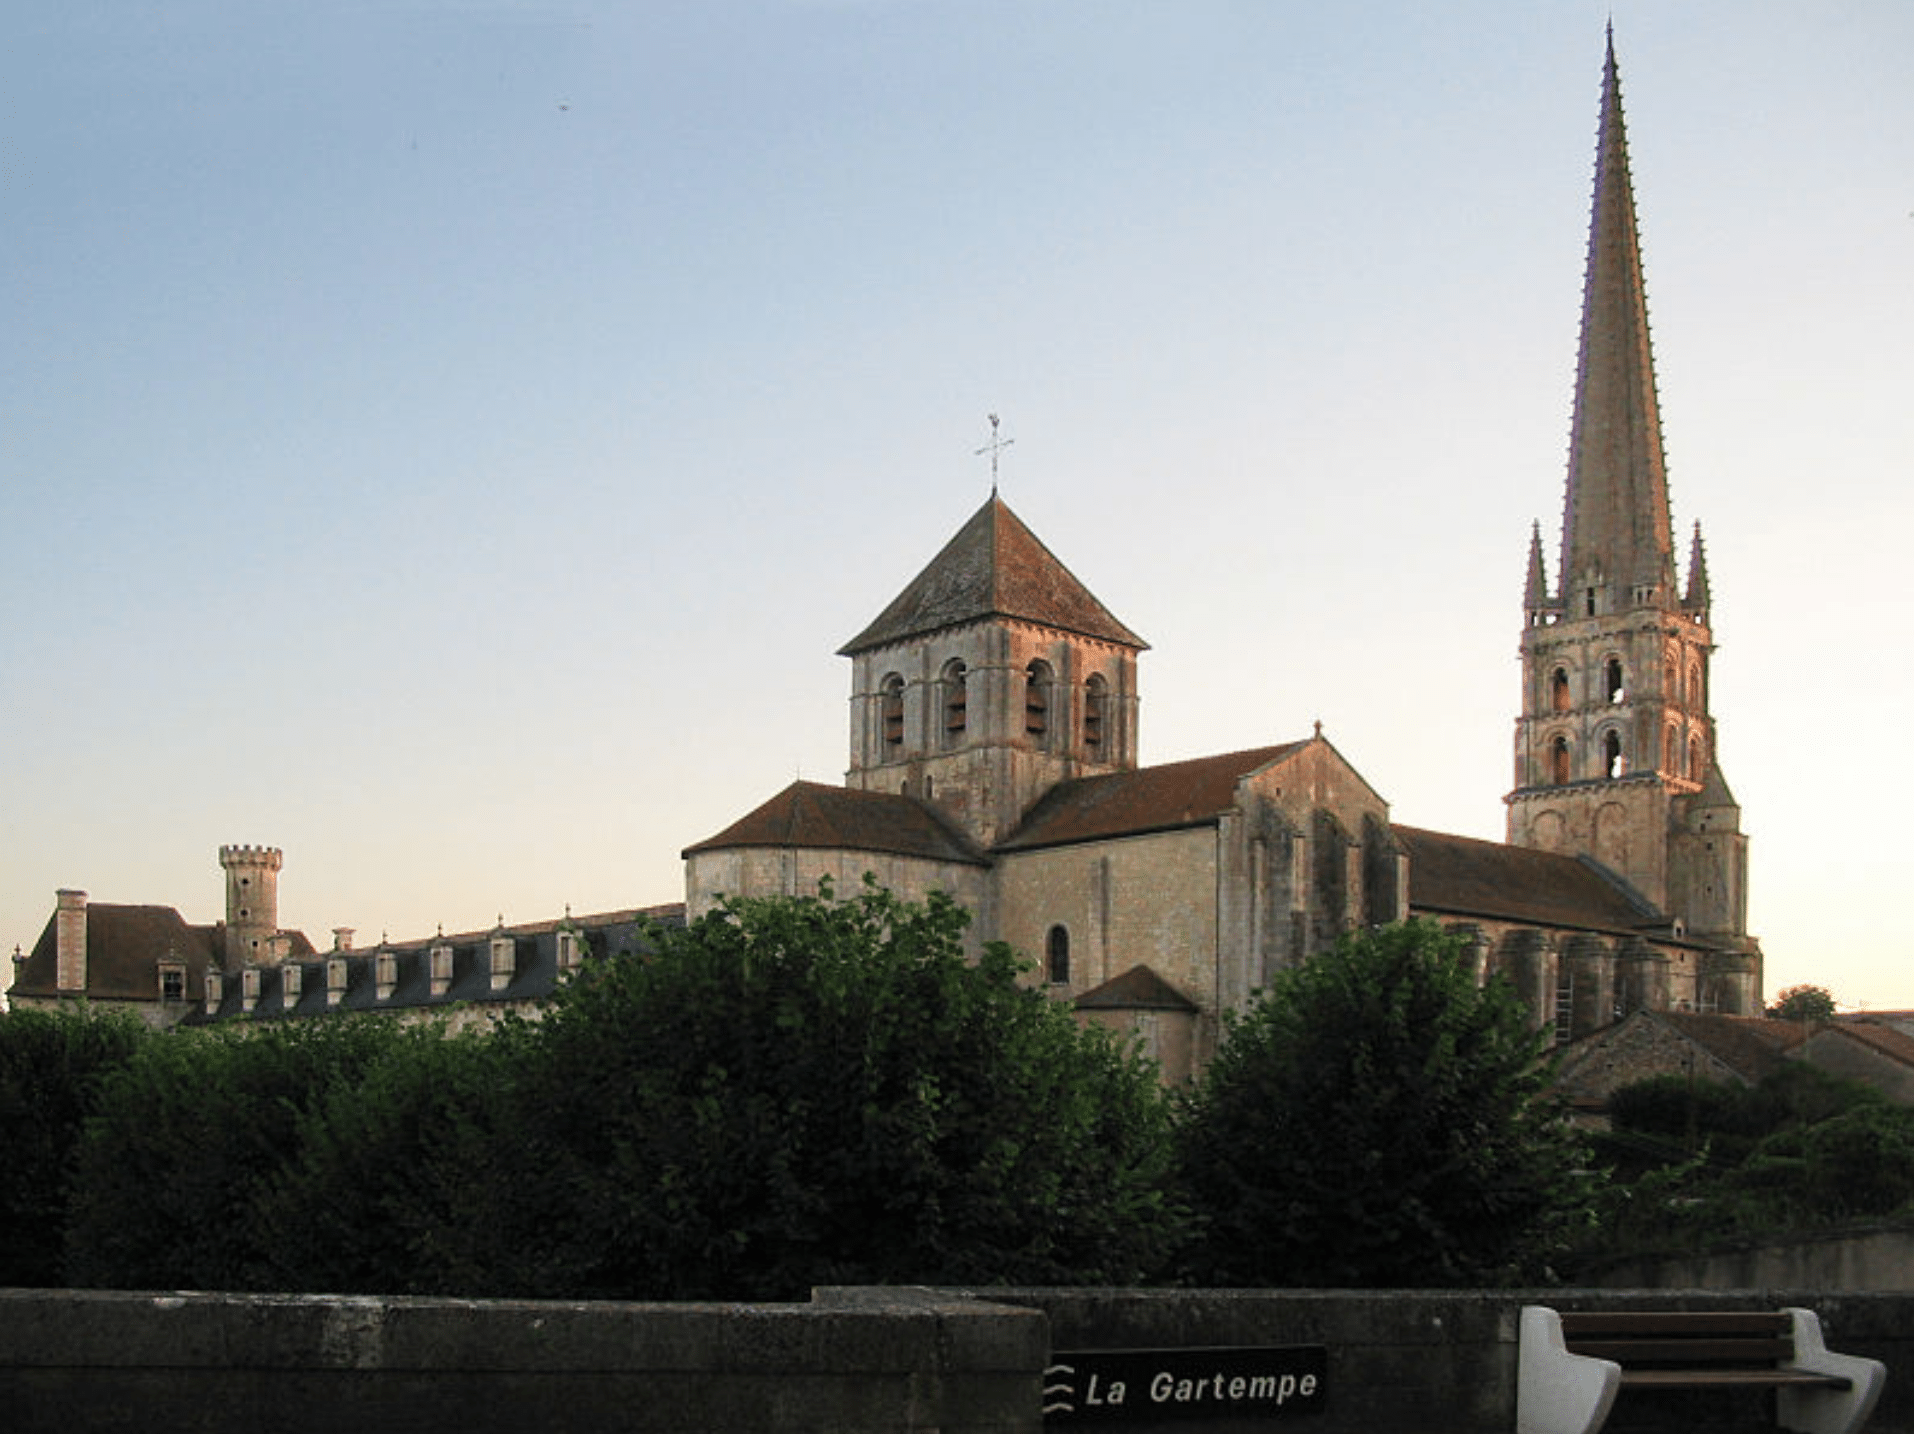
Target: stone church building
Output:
[{"x": 994, "y": 755}]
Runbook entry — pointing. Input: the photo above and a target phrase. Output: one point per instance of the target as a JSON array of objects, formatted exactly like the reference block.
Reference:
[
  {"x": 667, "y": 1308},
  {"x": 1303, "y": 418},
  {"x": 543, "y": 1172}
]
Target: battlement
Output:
[{"x": 270, "y": 857}]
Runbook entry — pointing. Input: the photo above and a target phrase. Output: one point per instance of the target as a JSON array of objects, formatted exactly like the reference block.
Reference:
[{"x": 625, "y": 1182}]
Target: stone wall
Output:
[{"x": 961, "y": 1362}]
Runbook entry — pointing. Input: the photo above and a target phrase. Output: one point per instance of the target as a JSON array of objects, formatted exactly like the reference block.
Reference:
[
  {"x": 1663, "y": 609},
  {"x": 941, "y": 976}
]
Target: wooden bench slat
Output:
[
  {"x": 1731, "y": 1379},
  {"x": 1674, "y": 1322},
  {"x": 1674, "y": 1351}
]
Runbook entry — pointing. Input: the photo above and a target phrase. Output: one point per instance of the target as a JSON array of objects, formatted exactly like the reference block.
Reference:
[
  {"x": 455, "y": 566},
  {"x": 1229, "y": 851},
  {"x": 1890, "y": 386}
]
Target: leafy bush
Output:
[
  {"x": 792, "y": 1092},
  {"x": 51, "y": 1066},
  {"x": 175, "y": 1169},
  {"x": 1377, "y": 1118}
]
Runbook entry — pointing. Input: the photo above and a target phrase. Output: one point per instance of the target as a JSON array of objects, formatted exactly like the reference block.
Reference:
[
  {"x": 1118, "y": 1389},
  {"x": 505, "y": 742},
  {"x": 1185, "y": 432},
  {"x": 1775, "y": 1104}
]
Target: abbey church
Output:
[{"x": 994, "y": 755}]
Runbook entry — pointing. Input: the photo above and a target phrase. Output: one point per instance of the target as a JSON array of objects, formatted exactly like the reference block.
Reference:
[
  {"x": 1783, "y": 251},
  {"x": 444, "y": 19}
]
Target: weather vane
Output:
[{"x": 996, "y": 446}]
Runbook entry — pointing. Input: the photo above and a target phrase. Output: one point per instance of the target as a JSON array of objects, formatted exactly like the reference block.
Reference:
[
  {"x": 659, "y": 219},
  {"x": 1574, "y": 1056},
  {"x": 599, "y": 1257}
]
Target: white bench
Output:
[{"x": 1572, "y": 1366}]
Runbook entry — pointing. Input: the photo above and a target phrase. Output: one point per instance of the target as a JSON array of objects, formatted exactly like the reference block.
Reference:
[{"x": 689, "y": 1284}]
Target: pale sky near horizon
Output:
[{"x": 449, "y": 441}]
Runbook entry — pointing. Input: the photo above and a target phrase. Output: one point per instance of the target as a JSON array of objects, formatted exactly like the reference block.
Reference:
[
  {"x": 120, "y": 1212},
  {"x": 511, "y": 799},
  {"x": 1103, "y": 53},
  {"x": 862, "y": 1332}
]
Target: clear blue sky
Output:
[{"x": 450, "y": 440}]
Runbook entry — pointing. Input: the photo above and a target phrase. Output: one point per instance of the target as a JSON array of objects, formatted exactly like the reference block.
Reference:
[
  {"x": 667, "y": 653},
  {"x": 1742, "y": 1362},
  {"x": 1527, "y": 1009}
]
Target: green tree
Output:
[
  {"x": 51, "y": 1066},
  {"x": 189, "y": 1139},
  {"x": 1803, "y": 1003},
  {"x": 792, "y": 1092},
  {"x": 1377, "y": 1118}
]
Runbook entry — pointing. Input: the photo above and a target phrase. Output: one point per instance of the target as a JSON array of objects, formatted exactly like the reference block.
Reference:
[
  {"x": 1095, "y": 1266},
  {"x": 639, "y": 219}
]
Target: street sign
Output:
[{"x": 1112, "y": 1386}]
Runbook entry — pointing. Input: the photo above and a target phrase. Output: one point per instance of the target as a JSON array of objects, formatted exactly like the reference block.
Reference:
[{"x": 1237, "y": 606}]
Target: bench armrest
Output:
[
  {"x": 1557, "y": 1392},
  {"x": 1828, "y": 1411}
]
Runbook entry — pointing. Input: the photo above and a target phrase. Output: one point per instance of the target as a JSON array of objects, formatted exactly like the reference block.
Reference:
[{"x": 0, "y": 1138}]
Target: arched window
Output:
[
  {"x": 1558, "y": 761},
  {"x": 1696, "y": 697},
  {"x": 892, "y": 702},
  {"x": 1558, "y": 690},
  {"x": 1096, "y": 714},
  {"x": 1612, "y": 684},
  {"x": 1696, "y": 767},
  {"x": 956, "y": 701},
  {"x": 1036, "y": 701},
  {"x": 1057, "y": 956},
  {"x": 1612, "y": 762},
  {"x": 1671, "y": 751}
]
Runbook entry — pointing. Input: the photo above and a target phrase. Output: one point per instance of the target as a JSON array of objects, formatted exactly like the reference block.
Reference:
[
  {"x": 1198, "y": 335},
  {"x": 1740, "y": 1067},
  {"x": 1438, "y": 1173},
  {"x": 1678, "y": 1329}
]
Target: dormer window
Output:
[
  {"x": 441, "y": 976},
  {"x": 388, "y": 974},
  {"x": 172, "y": 981},
  {"x": 249, "y": 989},
  {"x": 504, "y": 960},
  {"x": 336, "y": 975},
  {"x": 571, "y": 949},
  {"x": 292, "y": 984},
  {"x": 215, "y": 990}
]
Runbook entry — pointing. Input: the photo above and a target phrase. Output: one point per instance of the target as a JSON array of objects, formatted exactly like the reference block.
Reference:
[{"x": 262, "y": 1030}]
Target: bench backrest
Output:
[{"x": 1682, "y": 1339}]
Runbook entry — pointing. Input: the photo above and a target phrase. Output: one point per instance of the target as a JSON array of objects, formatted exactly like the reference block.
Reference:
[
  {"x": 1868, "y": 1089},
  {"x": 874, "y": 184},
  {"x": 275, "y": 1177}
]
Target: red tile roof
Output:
[
  {"x": 1137, "y": 989},
  {"x": 1162, "y": 798},
  {"x": 993, "y": 567},
  {"x": 810, "y": 815},
  {"x": 1461, "y": 876}
]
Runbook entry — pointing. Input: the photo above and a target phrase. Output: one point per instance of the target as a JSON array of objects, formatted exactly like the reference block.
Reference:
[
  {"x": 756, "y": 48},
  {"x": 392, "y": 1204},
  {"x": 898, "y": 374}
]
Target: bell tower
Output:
[
  {"x": 1615, "y": 749},
  {"x": 992, "y": 677}
]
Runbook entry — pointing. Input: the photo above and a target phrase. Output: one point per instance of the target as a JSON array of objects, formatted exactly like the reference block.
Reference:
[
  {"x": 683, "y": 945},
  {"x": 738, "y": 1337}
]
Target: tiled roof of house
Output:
[
  {"x": 1160, "y": 798},
  {"x": 1463, "y": 876},
  {"x": 123, "y": 946},
  {"x": 1137, "y": 989},
  {"x": 993, "y": 567},
  {"x": 1754, "y": 1047},
  {"x": 1895, "y": 1044},
  {"x": 810, "y": 815}
]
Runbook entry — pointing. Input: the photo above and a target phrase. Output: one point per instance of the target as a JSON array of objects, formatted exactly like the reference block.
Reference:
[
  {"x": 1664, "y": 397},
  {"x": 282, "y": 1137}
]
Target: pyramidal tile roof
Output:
[{"x": 993, "y": 567}]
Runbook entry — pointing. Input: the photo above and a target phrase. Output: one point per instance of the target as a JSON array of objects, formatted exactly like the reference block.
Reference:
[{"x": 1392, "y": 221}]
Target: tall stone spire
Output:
[{"x": 1617, "y": 543}]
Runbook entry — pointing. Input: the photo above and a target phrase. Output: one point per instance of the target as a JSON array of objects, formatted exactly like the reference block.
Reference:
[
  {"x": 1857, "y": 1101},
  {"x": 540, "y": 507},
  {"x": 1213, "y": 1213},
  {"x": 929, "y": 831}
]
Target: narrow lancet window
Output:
[
  {"x": 956, "y": 701},
  {"x": 1612, "y": 762},
  {"x": 892, "y": 704},
  {"x": 1096, "y": 704},
  {"x": 1057, "y": 956},
  {"x": 1036, "y": 701},
  {"x": 1558, "y": 690},
  {"x": 1558, "y": 762}
]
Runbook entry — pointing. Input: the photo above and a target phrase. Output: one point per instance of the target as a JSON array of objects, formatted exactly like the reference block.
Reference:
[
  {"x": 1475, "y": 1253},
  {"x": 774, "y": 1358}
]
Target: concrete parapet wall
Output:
[
  {"x": 961, "y": 1362},
  {"x": 889, "y": 1360}
]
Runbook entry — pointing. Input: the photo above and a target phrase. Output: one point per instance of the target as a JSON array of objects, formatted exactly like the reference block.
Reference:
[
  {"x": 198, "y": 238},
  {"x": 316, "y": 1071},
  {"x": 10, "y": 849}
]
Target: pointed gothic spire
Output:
[{"x": 1616, "y": 537}]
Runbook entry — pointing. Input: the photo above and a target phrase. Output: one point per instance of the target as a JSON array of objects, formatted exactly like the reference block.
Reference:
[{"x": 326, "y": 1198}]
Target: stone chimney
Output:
[{"x": 69, "y": 936}]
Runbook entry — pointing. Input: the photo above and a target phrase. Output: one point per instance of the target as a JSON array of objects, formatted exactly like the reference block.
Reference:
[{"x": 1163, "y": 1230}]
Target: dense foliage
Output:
[
  {"x": 786, "y": 1093},
  {"x": 177, "y": 1167},
  {"x": 1377, "y": 1118},
  {"x": 1803, "y": 1003},
  {"x": 796, "y": 1092},
  {"x": 1697, "y": 1161},
  {"x": 51, "y": 1066}
]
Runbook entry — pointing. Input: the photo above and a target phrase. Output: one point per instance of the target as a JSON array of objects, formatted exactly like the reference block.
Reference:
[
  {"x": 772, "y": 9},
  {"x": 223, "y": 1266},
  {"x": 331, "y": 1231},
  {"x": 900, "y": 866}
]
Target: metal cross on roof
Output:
[{"x": 996, "y": 446}]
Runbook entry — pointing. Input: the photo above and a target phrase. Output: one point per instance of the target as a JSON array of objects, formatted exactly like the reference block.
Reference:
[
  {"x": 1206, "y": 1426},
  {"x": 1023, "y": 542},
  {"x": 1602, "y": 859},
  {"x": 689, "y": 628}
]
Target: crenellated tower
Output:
[
  {"x": 252, "y": 903},
  {"x": 992, "y": 677},
  {"x": 1615, "y": 752}
]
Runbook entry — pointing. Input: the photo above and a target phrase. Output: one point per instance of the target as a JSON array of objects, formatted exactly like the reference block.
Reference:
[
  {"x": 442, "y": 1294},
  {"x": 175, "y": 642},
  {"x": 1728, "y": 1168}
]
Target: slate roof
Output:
[
  {"x": 993, "y": 567},
  {"x": 1462, "y": 876},
  {"x": 811, "y": 815},
  {"x": 1149, "y": 799},
  {"x": 536, "y": 971},
  {"x": 124, "y": 945}
]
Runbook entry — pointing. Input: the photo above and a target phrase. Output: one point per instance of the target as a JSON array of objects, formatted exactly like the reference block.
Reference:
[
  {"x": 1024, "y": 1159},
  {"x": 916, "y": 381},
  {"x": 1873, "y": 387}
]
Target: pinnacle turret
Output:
[
  {"x": 1698, "y": 597},
  {"x": 1536, "y": 597}
]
